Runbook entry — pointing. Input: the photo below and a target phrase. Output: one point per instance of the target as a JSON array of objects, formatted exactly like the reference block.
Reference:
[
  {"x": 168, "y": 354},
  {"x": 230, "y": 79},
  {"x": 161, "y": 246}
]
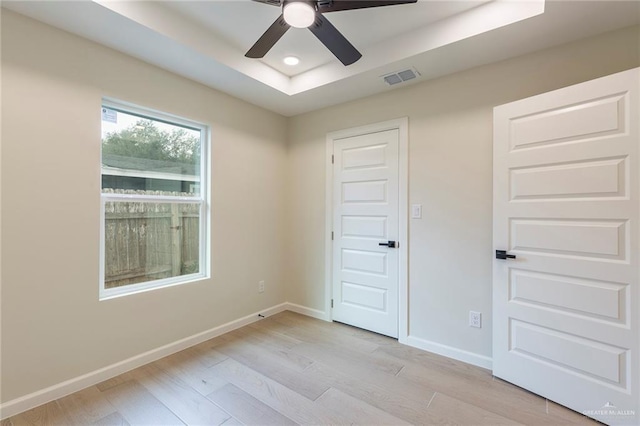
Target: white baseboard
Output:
[
  {"x": 450, "y": 352},
  {"x": 35, "y": 399},
  {"x": 310, "y": 312}
]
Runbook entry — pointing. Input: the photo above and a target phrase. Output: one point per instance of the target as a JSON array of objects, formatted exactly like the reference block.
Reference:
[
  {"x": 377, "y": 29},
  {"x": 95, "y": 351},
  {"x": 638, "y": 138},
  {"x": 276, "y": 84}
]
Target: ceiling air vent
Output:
[{"x": 400, "y": 76}]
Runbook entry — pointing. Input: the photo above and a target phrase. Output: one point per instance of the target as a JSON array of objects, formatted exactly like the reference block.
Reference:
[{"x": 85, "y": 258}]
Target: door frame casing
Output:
[{"x": 402, "y": 125}]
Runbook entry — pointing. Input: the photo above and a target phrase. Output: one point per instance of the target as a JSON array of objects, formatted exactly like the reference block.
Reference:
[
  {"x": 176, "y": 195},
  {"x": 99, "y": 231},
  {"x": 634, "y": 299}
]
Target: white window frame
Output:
[{"x": 203, "y": 199}]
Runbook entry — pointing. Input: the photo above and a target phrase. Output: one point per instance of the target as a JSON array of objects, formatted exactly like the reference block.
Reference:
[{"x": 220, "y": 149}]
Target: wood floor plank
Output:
[
  {"x": 318, "y": 333},
  {"x": 274, "y": 347},
  {"x": 184, "y": 401},
  {"x": 442, "y": 363},
  {"x": 246, "y": 408},
  {"x": 338, "y": 328},
  {"x": 233, "y": 422},
  {"x": 560, "y": 415},
  {"x": 458, "y": 377},
  {"x": 273, "y": 332},
  {"x": 409, "y": 406},
  {"x": 367, "y": 365},
  {"x": 291, "y": 319},
  {"x": 369, "y": 376},
  {"x": 274, "y": 367},
  {"x": 114, "y": 419},
  {"x": 493, "y": 395},
  {"x": 279, "y": 397},
  {"x": 463, "y": 382},
  {"x": 86, "y": 406},
  {"x": 186, "y": 366},
  {"x": 355, "y": 410},
  {"x": 203, "y": 354},
  {"x": 47, "y": 414},
  {"x": 359, "y": 333},
  {"x": 271, "y": 326},
  {"x": 136, "y": 404},
  {"x": 452, "y": 411}
]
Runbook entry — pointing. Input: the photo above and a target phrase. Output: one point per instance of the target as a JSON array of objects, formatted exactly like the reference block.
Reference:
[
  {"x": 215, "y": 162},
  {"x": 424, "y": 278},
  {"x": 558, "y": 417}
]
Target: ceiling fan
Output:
[{"x": 309, "y": 14}]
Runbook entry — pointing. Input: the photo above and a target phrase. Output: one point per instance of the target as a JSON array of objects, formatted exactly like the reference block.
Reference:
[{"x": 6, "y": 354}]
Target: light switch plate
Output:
[{"x": 416, "y": 211}]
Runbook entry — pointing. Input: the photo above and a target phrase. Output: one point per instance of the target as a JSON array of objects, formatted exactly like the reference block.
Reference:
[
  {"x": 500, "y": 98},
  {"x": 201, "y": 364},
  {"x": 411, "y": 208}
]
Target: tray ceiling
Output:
[{"x": 206, "y": 41}]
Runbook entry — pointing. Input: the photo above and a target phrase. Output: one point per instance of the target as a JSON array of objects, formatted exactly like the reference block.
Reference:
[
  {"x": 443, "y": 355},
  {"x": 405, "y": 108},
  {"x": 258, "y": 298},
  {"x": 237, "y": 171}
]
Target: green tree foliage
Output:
[{"x": 145, "y": 140}]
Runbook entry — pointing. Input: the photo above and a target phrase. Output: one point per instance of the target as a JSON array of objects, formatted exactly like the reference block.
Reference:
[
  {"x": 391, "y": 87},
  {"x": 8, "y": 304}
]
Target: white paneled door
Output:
[
  {"x": 365, "y": 231},
  {"x": 566, "y": 205}
]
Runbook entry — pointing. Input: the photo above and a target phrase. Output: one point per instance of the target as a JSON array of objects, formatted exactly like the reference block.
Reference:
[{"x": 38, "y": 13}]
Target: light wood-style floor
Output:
[{"x": 290, "y": 369}]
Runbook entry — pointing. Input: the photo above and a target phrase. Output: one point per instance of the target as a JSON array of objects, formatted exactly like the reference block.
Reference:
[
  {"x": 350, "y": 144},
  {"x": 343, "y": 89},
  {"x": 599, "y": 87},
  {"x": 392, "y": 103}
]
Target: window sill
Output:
[{"x": 128, "y": 290}]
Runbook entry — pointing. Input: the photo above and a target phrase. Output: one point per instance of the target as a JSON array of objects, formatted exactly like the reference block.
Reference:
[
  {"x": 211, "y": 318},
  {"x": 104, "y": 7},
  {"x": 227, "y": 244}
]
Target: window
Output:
[{"x": 154, "y": 200}]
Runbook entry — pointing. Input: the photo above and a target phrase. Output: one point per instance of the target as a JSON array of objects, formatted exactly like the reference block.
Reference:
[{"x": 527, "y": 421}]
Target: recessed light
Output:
[{"x": 291, "y": 60}]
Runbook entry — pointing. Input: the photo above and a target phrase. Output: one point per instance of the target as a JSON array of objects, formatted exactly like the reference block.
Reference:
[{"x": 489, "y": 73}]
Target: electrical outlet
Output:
[
  {"x": 261, "y": 286},
  {"x": 475, "y": 319}
]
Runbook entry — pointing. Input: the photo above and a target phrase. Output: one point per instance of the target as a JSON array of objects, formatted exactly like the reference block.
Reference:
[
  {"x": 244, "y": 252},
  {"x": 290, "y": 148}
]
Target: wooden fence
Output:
[{"x": 146, "y": 241}]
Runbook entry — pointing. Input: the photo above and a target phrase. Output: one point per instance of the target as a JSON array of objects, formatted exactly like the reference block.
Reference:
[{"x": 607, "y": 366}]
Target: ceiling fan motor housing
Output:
[{"x": 311, "y": 3}]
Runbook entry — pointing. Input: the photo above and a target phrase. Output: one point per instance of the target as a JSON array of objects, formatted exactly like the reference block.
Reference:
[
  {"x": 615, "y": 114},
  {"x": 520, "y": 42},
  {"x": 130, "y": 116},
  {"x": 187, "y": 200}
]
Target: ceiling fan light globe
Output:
[{"x": 299, "y": 14}]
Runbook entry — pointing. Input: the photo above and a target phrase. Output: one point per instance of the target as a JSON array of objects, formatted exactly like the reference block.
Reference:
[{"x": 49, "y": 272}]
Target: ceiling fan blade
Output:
[
  {"x": 334, "y": 40},
  {"x": 338, "y": 5},
  {"x": 268, "y": 39}
]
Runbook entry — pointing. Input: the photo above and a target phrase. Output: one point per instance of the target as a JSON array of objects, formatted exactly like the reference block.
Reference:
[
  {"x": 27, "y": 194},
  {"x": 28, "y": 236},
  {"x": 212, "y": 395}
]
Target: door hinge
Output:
[
  {"x": 332, "y": 159},
  {"x": 331, "y": 235},
  {"x": 332, "y": 303}
]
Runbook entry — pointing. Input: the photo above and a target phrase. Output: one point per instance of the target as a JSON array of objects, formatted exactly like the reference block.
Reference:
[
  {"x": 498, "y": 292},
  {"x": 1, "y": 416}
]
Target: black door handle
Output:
[
  {"x": 390, "y": 244},
  {"x": 502, "y": 254}
]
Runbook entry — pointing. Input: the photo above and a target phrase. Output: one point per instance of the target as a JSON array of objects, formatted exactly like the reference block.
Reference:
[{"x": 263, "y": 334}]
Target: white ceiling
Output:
[{"x": 206, "y": 41}]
